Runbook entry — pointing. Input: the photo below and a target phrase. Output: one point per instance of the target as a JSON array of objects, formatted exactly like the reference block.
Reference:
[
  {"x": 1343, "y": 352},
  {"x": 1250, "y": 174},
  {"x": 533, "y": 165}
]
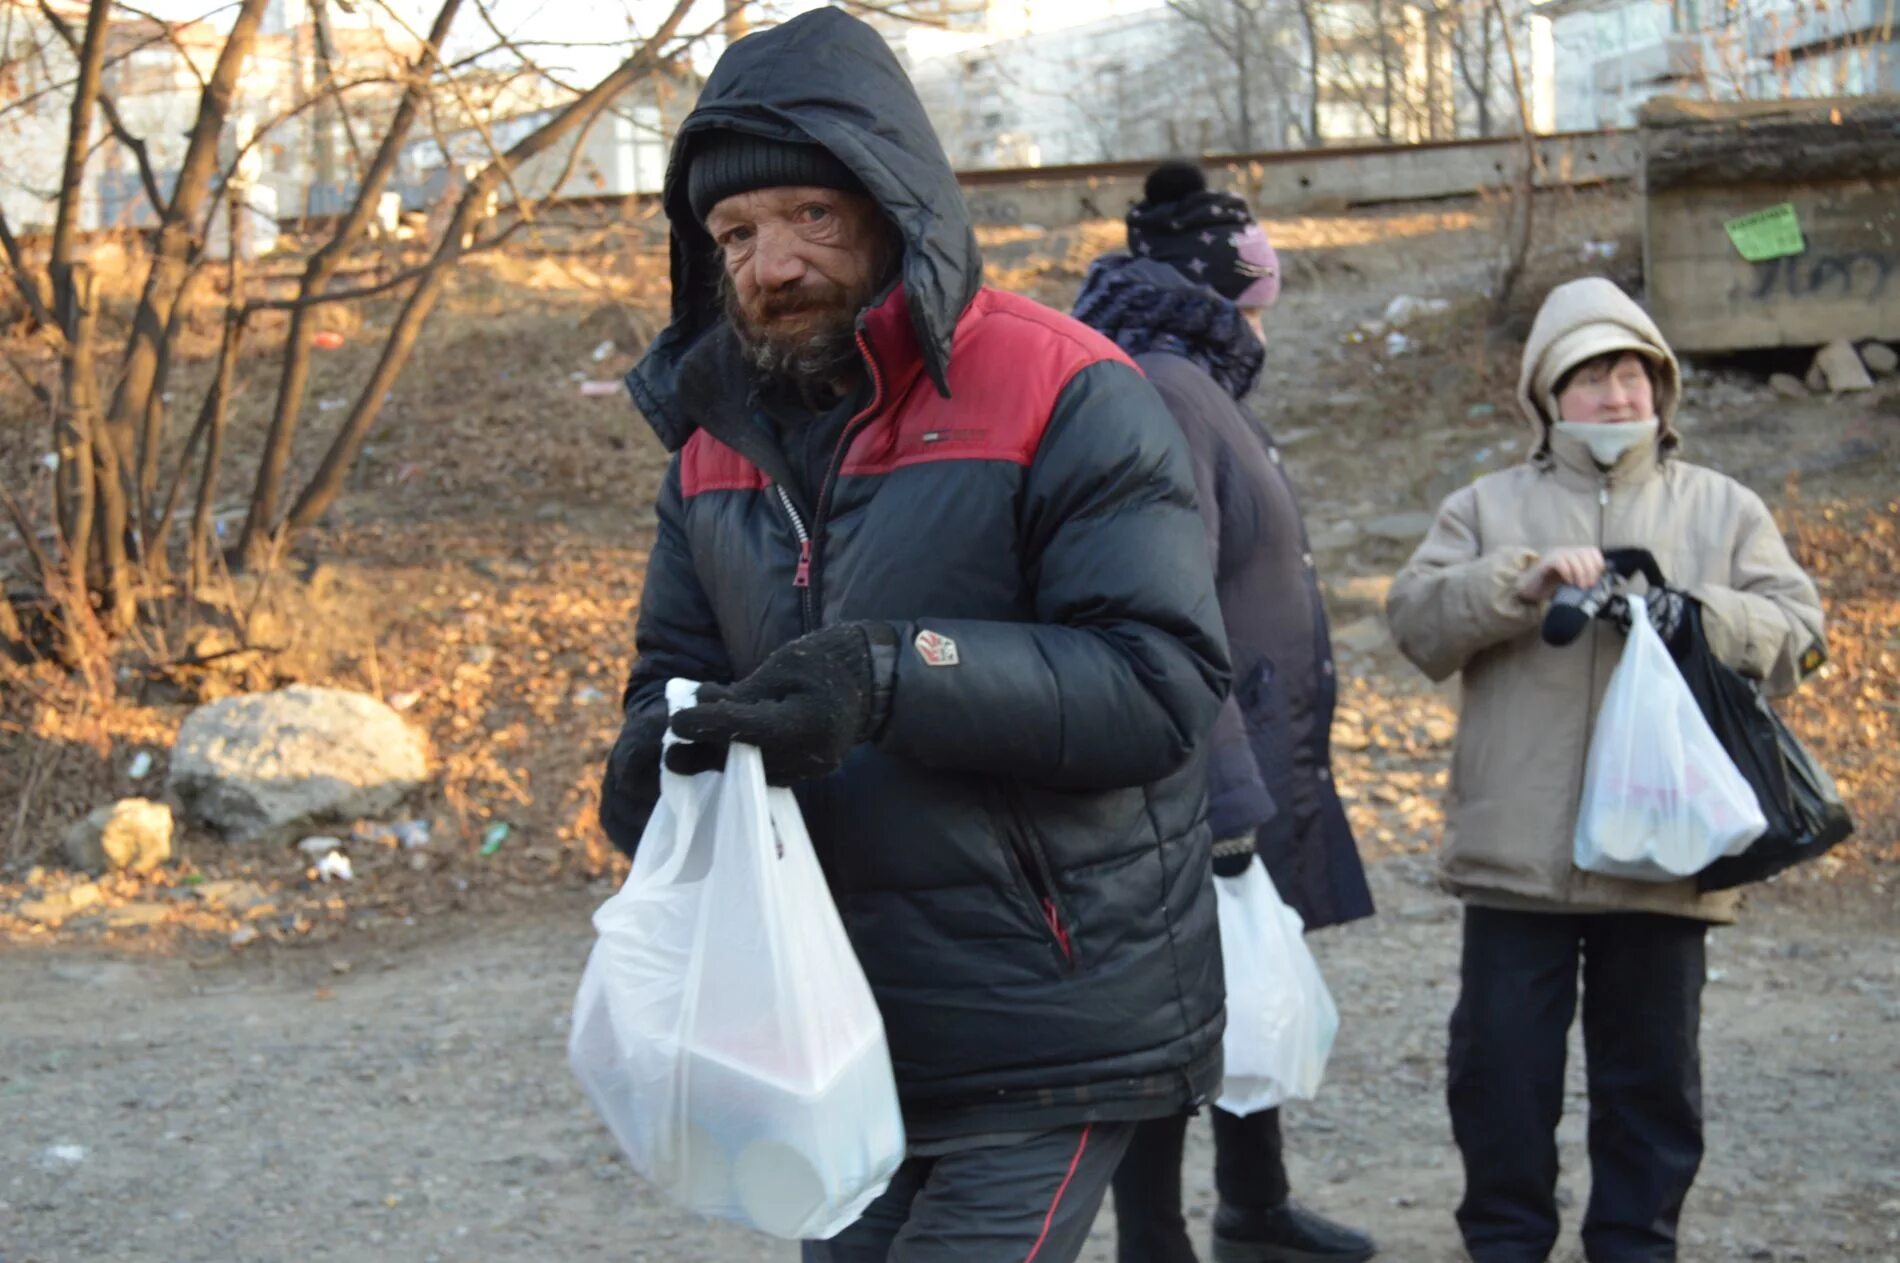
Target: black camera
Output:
[{"x": 1572, "y": 608}]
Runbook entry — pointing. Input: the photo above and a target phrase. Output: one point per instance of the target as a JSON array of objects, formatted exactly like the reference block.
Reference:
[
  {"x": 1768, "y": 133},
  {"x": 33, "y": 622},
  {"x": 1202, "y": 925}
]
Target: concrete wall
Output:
[
  {"x": 1835, "y": 162},
  {"x": 1302, "y": 181},
  {"x": 1846, "y": 284}
]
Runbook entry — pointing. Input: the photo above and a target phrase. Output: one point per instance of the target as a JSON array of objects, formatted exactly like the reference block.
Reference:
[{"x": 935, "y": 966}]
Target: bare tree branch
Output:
[
  {"x": 263, "y": 133},
  {"x": 58, "y": 87},
  {"x": 111, "y": 111},
  {"x": 1309, "y": 23},
  {"x": 1477, "y": 82},
  {"x": 25, "y": 279},
  {"x": 330, "y": 297},
  {"x": 76, "y": 440},
  {"x": 519, "y": 48},
  {"x": 327, "y": 483},
  {"x": 146, "y": 463},
  {"x": 218, "y": 397},
  {"x": 23, "y": 527},
  {"x": 900, "y": 10},
  {"x": 174, "y": 239},
  {"x": 1527, "y": 180},
  {"x": 92, "y": 57},
  {"x": 318, "y": 273},
  {"x": 38, "y": 389},
  {"x": 169, "y": 33},
  {"x": 478, "y": 117},
  {"x": 326, "y": 56},
  {"x": 211, "y": 415}
]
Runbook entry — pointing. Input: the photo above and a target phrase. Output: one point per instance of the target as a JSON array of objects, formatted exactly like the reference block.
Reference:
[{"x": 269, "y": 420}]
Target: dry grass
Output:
[
  {"x": 1850, "y": 713},
  {"x": 484, "y": 566}
]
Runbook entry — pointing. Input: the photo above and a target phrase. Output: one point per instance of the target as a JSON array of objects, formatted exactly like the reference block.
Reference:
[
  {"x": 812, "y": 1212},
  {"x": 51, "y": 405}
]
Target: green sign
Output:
[{"x": 1774, "y": 233}]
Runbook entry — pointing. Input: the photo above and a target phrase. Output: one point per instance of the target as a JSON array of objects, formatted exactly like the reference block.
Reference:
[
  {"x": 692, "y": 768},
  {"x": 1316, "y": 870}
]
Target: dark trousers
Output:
[
  {"x": 1642, "y": 1006},
  {"x": 1030, "y": 1200},
  {"x": 1249, "y": 1172}
]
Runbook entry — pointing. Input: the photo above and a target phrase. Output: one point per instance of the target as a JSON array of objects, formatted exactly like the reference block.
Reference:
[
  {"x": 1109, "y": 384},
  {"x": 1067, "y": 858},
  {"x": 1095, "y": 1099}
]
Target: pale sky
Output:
[
  {"x": 612, "y": 23},
  {"x": 608, "y": 19}
]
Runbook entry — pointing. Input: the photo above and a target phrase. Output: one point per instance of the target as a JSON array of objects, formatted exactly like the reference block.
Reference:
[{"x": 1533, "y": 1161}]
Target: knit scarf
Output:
[{"x": 1140, "y": 316}]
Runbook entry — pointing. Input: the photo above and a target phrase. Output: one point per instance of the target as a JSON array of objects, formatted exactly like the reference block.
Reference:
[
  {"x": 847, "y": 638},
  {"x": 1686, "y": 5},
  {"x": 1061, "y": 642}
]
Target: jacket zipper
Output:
[
  {"x": 1589, "y": 729},
  {"x": 802, "y": 578},
  {"x": 1037, "y": 876}
]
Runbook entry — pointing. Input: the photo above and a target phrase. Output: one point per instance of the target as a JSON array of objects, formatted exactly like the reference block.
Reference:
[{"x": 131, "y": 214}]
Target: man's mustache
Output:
[{"x": 818, "y": 299}]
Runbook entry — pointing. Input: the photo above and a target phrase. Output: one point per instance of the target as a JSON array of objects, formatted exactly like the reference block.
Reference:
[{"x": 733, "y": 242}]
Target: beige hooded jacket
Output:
[{"x": 1528, "y": 709}]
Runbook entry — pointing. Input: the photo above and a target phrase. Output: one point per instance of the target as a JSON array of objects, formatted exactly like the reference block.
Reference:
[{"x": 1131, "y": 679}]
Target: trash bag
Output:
[
  {"x": 1281, "y": 1019},
  {"x": 1662, "y": 800},
  {"x": 1806, "y": 817},
  {"x": 724, "y": 1029}
]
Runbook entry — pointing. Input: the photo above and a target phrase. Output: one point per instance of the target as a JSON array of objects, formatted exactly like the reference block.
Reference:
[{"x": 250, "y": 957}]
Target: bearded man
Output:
[{"x": 934, "y": 550}]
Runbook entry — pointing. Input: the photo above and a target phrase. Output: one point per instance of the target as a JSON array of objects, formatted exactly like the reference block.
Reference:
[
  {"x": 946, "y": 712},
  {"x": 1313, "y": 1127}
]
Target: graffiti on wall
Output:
[{"x": 1867, "y": 275}]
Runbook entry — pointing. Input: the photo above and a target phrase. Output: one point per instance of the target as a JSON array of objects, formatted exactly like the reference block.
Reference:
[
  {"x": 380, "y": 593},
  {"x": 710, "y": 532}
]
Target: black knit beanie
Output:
[
  {"x": 727, "y": 163},
  {"x": 1203, "y": 234}
]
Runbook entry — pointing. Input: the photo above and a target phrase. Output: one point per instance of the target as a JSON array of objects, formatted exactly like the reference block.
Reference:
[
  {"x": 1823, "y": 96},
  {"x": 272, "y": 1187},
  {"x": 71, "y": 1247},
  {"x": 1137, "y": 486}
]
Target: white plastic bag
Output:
[
  {"x": 1280, "y": 1017},
  {"x": 1662, "y": 800},
  {"x": 724, "y": 1029}
]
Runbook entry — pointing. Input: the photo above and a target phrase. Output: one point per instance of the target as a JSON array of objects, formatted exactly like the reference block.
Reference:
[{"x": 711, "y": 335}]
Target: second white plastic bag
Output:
[
  {"x": 1281, "y": 1019},
  {"x": 724, "y": 1029},
  {"x": 1662, "y": 800}
]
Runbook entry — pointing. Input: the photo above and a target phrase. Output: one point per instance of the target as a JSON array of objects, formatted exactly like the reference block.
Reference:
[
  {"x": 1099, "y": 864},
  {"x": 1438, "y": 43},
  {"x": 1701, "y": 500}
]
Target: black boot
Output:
[{"x": 1289, "y": 1233}]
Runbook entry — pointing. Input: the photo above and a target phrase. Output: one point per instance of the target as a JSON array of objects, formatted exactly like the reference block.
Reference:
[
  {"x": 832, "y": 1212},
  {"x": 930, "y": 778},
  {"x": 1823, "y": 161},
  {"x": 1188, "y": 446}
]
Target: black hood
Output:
[{"x": 825, "y": 78}]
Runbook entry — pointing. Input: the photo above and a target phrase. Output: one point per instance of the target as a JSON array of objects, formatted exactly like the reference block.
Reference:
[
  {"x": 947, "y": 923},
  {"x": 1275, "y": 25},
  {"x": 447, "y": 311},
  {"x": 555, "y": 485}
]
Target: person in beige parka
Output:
[{"x": 1600, "y": 389}]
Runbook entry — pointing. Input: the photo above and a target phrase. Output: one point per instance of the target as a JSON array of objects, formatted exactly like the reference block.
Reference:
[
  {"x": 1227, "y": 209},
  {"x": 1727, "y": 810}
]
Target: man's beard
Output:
[{"x": 803, "y": 342}]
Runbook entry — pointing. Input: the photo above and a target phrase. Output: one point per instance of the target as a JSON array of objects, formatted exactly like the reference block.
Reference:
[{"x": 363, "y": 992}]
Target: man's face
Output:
[{"x": 800, "y": 264}]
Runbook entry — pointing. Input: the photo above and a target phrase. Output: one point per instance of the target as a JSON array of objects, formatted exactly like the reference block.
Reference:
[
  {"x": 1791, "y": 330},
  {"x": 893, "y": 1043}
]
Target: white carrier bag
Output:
[
  {"x": 1662, "y": 800},
  {"x": 724, "y": 1028},
  {"x": 1281, "y": 1019}
]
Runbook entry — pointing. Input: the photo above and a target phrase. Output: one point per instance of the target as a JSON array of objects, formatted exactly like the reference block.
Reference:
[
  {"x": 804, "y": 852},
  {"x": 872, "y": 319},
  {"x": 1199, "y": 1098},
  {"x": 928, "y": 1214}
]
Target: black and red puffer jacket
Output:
[{"x": 1021, "y": 857}]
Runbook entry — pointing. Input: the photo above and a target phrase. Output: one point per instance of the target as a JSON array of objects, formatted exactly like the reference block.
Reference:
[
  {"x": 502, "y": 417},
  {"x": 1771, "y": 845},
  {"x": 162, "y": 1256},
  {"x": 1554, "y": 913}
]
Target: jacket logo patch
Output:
[
  {"x": 936, "y": 650},
  {"x": 933, "y": 438}
]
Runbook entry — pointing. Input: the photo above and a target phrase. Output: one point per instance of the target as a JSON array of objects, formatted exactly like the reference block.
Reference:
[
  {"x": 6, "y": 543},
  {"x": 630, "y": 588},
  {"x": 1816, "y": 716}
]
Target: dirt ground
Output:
[
  {"x": 375, "y": 1070},
  {"x": 404, "y": 1096}
]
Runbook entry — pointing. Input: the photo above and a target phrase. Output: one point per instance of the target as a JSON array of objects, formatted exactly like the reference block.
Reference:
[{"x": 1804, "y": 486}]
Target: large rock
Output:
[
  {"x": 1400, "y": 528},
  {"x": 1881, "y": 360},
  {"x": 1839, "y": 364},
  {"x": 1788, "y": 386},
  {"x": 133, "y": 834},
  {"x": 263, "y": 766}
]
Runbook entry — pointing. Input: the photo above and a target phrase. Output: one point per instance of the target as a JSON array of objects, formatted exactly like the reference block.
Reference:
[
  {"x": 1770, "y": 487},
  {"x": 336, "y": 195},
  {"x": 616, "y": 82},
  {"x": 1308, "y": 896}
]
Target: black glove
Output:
[
  {"x": 636, "y": 755},
  {"x": 804, "y": 708},
  {"x": 637, "y": 749},
  {"x": 1665, "y": 607},
  {"x": 1232, "y": 855},
  {"x": 628, "y": 790},
  {"x": 633, "y": 768}
]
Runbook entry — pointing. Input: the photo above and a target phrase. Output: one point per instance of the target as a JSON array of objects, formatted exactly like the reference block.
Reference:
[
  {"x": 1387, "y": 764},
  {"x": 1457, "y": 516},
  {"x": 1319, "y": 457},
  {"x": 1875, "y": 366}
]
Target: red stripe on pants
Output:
[{"x": 1061, "y": 1188}]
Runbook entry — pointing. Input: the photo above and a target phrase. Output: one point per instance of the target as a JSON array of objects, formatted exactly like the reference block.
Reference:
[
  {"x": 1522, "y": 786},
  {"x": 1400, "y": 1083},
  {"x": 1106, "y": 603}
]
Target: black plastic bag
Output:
[{"x": 1806, "y": 817}]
